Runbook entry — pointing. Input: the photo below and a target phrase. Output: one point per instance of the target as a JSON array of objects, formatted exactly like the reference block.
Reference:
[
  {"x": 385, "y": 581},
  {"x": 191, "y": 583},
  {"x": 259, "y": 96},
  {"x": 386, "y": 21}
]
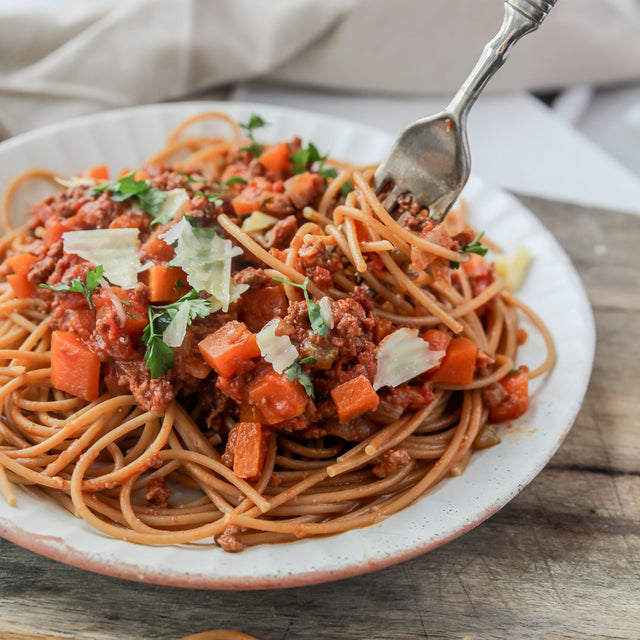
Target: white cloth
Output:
[{"x": 63, "y": 58}]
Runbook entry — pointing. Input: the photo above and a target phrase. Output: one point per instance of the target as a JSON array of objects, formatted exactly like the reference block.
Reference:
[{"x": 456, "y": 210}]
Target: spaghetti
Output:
[{"x": 291, "y": 360}]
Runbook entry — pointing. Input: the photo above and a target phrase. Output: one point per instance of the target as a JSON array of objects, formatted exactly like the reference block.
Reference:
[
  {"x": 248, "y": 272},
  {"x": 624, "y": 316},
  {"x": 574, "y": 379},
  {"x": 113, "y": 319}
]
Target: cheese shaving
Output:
[
  {"x": 115, "y": 249},
  {"x": 513, "y": 267},
  {"x": 404, "y": 355},
  {"x": 207, "y": 263},
  {"x": 258, "y": 221},
  {"x": 175, "y": 332},
  {"x": 325, "y": 311},
  {"x": 277, "y": 350}
]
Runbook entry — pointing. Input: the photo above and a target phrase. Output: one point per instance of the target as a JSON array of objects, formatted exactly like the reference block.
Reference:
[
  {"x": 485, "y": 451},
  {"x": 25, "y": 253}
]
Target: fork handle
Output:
[{"x": 520, "y": 17}]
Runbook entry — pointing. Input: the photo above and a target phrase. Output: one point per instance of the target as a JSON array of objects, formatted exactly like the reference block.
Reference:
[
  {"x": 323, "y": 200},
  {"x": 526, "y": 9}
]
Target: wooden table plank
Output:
[{"x": 561, "y": 561}]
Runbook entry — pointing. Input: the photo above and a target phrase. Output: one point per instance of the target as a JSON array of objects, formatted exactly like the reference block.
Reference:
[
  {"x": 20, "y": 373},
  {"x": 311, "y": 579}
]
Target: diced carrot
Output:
[
  {"x": 229, "y": 347},
  {"x": 157, "y": 249},
  {"x": 136, "y": 316},
  {"x": 458, "y": 364},
  {"x": 438, "y": 340},
  {"x": 99, "y": 172},
  {"x": 249, "y": 413},
  {"x": 516, "y": 402},
  {"x": 275, "y": 158},
  {"x": 248, "y": 450},
  {"x": 74, "y": 367},
  {"x": 277, "y": 397},
  {"x": 245, "y": 203},
  {"x": 19, "y": 280},
  {"x": 124, "y": 172},
  {"x": 21, "y": 285},
  {"x": 353, "y": 398},
  {"x": 521, "y": 336},
  {"x": 21, "y": 263},
  {"x": 264, "y": 304},
  {"x": 163, "y": 283},
  {"x": 54, "y": 228}
]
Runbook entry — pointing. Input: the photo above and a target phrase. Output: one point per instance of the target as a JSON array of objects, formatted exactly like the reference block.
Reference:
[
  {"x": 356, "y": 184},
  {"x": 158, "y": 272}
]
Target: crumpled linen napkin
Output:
[{"x": 62, "y": 59}]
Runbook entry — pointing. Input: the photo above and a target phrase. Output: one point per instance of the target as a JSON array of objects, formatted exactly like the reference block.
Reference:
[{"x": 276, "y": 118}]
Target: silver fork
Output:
[{"x": 431, "y": 160}]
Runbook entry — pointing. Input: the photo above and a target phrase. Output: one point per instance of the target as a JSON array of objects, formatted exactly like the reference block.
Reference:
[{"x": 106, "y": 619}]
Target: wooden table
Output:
[{"x": 562, "y": 560}]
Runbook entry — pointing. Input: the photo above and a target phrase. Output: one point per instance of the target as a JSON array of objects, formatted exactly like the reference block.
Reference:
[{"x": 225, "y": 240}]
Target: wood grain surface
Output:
[{"x": 561, "y": 561}]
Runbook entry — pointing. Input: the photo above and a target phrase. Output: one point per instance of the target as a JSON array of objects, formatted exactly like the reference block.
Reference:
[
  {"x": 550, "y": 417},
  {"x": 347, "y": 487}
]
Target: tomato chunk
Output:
[{"x": 516, "y": 402}]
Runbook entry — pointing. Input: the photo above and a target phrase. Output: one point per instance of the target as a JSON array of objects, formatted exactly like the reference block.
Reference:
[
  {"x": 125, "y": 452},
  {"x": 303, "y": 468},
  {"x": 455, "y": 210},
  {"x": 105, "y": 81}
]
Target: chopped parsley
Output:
[
  {"x": 307, "y": 157},
  {"x": 255, "y": 122},
  {"x": 127, "y": 187},
  {"x": 346, "y": 188},
  {"x": 159, "y": 356},
  {"x": 294, "y": 371},
  {"x": 76, "y": 285},
  {"x": 472, "y": 247},
  {"x": 234, "y": 180},
  {"x": 318, "y": 324},
  {"x": 211, "y": 197}
]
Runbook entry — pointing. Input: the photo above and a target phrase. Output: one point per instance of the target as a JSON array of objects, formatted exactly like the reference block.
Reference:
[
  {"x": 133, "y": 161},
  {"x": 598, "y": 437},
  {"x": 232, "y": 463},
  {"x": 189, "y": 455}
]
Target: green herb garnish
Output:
[
  {"x": 255, "y": 122},
  {"x": 127, "y": 187},
  {"x": 318, "y": 324},
  {"x": 211, "y": 197},
  {"x": 294, "y": 371},
  {"x": 76, "y": 285},
  {"x": 472, "y": 247},
  {"x": 159, "y": 356}
]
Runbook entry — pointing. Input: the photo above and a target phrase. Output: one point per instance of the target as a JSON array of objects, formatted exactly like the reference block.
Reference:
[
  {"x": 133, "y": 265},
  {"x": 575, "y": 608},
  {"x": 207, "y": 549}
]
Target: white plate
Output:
[{"x": 494, "y": 476}]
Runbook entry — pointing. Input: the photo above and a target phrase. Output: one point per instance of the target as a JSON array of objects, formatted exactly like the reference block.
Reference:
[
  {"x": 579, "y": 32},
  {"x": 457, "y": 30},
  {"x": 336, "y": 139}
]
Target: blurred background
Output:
[{"x": 561, "y": 120}]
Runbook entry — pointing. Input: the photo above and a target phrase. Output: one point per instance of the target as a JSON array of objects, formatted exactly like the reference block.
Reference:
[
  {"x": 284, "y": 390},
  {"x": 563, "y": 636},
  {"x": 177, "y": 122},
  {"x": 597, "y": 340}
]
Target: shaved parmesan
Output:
[
  {"x": 325, "y": 311},
  {"x": 258, "y": 221},
  {"x": 404, "y": 355},
  {"x": 206, "y": 261},
  {"x": 513, "y": 267},
  {"x": 277, "y": 350},
  {"x": 117, "y": 303},
  {"x": 172, "y": 206},
  {"x": 75, "y": 181},
  {"x": 115, "y": 249},
  {"x": 175, "y": 332}
]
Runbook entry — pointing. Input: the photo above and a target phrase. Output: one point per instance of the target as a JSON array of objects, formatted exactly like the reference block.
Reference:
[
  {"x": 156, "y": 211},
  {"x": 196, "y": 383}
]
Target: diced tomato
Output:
[
  {"x": 54, "y": 228},
  {"x": 19, "y": 280},
  {"x": 438, "y": 340},
  {"x": 99, "y": 172},
  {"x": 260, "y": 305},
  {"x": 516, "y": 402}
]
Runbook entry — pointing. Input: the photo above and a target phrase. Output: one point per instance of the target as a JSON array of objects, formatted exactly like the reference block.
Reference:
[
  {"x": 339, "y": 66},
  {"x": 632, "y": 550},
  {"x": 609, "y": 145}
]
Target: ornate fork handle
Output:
[{"x": 520, "y": 17}]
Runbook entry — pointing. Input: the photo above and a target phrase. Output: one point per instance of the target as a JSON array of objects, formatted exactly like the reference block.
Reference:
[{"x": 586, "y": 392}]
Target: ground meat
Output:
[
  {"x": 251, "y": 276},
  {"x": 391, "y": 462},
  {"x": 407, "y": 396},
  {"x": 282, "y": 233},
  {"x": 494, "y": 394},
  {"x": 466, "y": 236},
  {"x": 63, "y": 204},
  {"x": 152, "y": 394},
  {"x": 228, "y": 540},
  {"x": 279, "y": 205},
  {"x": 100, "y": 212},
  {"x": 406, "y": 203},
  {"x": 158, "y": 492},
  {"x": 316, "y": 254},
  {"x": 355, "y": 430}
]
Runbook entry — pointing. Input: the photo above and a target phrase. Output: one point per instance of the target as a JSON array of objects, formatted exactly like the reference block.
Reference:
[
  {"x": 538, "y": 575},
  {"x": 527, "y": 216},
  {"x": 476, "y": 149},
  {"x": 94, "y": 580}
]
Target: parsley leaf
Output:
[
  {"x": 76, "y": 285},
  {"x": 318, "y": 324},
  {"x": 255, "y": 122},
  {"x": 294, "y": 371},
  {"x": 346, "y": 188},
  {"x": 472, "y": 247},
  {"x": 306, "y": 158},
  {"x": 159, "y": 356},
  {"x": 211, "y": 197},
  {"x": 475, "y": 247},
  {"x": 234, "y": 180},
  {"x": 127, "y": 187}
]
